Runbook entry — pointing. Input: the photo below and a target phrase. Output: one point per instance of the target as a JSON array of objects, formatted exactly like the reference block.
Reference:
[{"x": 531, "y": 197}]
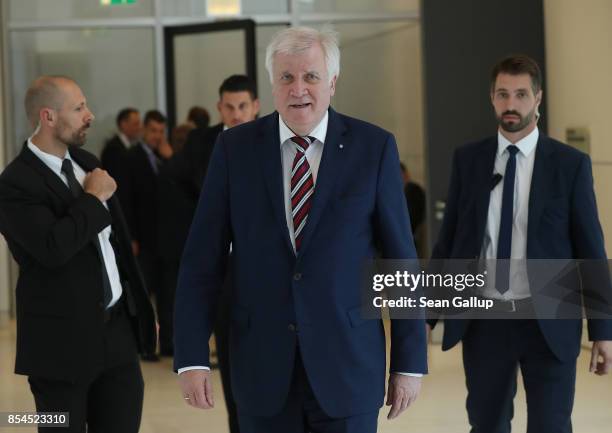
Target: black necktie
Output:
[
  {"x": 77, "y": 190},
  {"x": 504, "y": 243}
]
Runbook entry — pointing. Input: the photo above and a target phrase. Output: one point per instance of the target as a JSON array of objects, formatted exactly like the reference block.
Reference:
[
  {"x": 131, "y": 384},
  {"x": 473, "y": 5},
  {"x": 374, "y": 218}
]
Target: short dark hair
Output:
[
  {"x": 154, "y": 116},
  {"x": 518, "y": 64},
  {"x": 238, "y": 83},
  {"x": 124, "y": 114},
  {"x": 199, "y": 116}
]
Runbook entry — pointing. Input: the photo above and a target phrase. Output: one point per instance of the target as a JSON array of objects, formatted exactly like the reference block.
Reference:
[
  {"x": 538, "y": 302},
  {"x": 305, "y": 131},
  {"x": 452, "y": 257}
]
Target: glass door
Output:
[{"x": 198, "y": 59}]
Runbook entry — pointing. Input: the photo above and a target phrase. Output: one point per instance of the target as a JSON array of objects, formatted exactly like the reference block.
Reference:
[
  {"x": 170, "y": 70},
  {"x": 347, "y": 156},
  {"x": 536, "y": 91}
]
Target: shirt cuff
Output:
[
  {"x": 195, "y": 367},
  {"x": 402, "y": 373}
]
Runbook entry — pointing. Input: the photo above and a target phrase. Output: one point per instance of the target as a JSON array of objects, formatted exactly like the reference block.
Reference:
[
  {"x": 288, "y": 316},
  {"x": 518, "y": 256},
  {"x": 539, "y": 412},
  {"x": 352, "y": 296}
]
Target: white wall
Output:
[
  {"x": 199, "y": 73},
  {"x": 113, "y": 67},
  {"x": 579, "y": 85},
  {"x": 381, "y": 82}
]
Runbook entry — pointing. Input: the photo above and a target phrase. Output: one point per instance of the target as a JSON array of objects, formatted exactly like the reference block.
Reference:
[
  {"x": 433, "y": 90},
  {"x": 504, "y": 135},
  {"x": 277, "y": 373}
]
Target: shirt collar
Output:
[
  {"x": 525, "y": 145},
  {"x": 51, "y": 161},
  {"x": 124, "y": 139},
  {"x": 146, "y": 148},
  {"x": 319, "y": 132}
]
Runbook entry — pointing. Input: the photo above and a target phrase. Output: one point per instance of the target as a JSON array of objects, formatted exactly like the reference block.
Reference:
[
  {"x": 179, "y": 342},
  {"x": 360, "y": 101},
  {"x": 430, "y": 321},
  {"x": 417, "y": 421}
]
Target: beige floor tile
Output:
[{"x": 439, "y": 409}]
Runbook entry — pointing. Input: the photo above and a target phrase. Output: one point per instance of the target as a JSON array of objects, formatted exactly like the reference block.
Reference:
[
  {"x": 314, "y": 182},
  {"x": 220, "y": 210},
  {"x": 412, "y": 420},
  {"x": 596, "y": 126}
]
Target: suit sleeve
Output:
[
  {"x": 50, "y": 240},
  {"x": 112, "y": 159},
  {"x": 203, "y": 266},
  {"x": 126, "y": 190},
  {"x": 588, "y": 244},
  {"x": 446, "y": 237},
  {"x": 444, "y": 244},
  {"x": 408, "y": 340}
]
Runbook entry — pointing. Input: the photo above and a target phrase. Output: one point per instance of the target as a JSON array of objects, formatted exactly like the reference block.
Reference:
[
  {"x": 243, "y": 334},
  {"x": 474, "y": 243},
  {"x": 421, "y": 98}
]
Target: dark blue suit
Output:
[
  {"x": 562, "y": 224},
  {"x": 313, "y": 300}
]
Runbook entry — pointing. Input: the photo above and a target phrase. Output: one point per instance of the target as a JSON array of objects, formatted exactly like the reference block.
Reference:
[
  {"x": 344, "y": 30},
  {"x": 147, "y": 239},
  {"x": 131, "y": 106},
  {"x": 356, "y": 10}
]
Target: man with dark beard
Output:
[
  {"x": 513, "y": 197},
  {"x": 82, "y": 309}
]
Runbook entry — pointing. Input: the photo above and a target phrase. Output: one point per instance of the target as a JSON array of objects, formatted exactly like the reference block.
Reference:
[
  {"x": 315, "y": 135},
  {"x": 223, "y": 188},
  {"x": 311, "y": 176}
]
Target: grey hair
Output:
[{"x": 295, "y": 40}]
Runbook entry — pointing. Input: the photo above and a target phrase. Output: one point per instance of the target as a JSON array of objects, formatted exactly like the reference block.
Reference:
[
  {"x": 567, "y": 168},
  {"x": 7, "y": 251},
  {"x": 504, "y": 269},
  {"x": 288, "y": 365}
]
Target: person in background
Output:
[
  {"x": 238, "y": 103},
  {"x": 198, "y": 117},
  {"x": 415, "y": 199},
  {"x": 179, "y": 135},
  {"x": 114, "y": 153},
  {"x": 140, "y": 194}
]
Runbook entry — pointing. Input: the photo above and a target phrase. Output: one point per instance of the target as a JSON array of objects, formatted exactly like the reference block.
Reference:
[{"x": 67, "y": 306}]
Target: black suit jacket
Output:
[
  {"x": 141, "y": 199},
  {"x": 113, "y": 157},
  {"x": 415, "y": 197},
  {"x": 176, "y": 206},
  {"x": 180, "y": 183},
  {"x": 60, "y": 315},
  {"x": 198, "y": 150}
]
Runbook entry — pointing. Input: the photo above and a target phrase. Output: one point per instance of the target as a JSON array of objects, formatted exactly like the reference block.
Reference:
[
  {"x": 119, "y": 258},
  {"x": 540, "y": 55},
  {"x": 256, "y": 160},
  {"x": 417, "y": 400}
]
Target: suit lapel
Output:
[
  {"x": 541, "y": 184},
  {"x": 87, "y": 164},
  {"x": 483, "y": 169},
  {"x": 271, "y": 165},
  {"x": 331, "y": 162},
  {"x": 52, "y": 180}
]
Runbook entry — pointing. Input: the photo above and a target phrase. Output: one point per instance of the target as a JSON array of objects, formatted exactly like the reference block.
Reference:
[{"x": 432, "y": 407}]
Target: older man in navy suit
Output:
[
  {"x": 284, "y": 192},
  {"x": 516, "y": 196}
]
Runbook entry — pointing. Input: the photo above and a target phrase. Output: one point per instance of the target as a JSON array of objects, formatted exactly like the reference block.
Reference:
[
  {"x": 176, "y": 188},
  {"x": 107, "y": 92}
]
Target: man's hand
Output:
[
  {"x": 402, "y": 391},
  {"x": 196, "y": 387},
  {"x": 601, "y": 349},
  {"x": 99, "y": 183},
  {"x": 165, "y": 150}
]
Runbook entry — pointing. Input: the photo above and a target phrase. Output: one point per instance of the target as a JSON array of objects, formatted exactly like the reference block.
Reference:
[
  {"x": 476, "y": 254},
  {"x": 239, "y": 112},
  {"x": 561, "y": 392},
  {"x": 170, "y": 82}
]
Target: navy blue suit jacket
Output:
[
  {"x": 562, "y": 224},
  {"x": 358, "y": 205}
]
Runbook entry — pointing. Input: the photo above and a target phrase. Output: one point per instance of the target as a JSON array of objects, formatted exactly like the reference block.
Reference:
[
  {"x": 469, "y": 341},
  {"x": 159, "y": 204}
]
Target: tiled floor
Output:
[{"x": 440, "y": 408}]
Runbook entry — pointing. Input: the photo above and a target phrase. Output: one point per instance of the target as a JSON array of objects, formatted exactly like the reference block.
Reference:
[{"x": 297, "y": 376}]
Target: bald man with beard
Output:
[{"x": 82, "y": 310}]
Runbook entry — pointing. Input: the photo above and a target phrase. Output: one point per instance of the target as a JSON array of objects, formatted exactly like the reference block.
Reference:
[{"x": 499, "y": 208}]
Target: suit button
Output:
[
  {"x": 297, "y": 276},
  {"x": 292, "y": 327}
]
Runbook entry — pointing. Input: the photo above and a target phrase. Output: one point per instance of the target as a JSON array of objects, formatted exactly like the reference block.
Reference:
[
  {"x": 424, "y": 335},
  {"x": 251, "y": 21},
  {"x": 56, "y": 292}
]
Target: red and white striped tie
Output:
[{"x": 302, "y": 188}]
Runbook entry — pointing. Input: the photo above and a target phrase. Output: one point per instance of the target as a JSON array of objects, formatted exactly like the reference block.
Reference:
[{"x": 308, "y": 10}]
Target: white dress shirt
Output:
[
  {"x": 124, "y": 139},
  {"x": 313, "y": 156},
  {"x": 108, "y": 254},
  {"x": 525, "y": 158}
]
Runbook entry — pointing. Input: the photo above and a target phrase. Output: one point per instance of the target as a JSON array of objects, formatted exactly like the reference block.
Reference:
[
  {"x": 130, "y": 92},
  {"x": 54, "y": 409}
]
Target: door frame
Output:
[{"x": 170, "y": 32}]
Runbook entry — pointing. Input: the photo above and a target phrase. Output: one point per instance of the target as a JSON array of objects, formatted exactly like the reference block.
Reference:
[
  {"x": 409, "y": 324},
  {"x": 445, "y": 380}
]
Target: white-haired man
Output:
[{"x": 282, "y": 191}]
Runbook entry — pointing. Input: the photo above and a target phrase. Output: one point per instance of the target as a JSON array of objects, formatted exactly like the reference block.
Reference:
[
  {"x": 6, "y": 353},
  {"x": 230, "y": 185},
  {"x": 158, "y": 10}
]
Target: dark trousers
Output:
[
  {"x": 493, "y": 351},
  {"x": 152, "y": 270},
  {"x": 165, "y": 307},
  {"x": 222, "y": 327},
  {"x": 106, "y": 400},
  {"x": 303, "y": 414}
]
